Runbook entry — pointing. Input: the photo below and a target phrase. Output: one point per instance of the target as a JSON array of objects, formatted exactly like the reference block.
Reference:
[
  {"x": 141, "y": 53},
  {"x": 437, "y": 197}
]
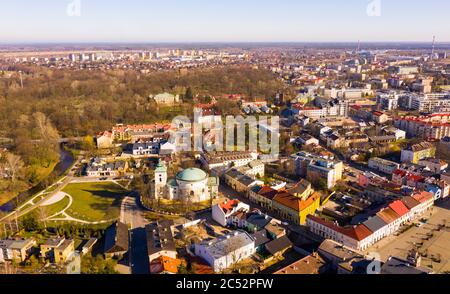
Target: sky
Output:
[{"x": 28, "y": 21}]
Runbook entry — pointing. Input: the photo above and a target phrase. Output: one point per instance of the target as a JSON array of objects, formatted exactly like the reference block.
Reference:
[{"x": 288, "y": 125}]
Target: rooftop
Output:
[
  {"x": 192, "y": 175},
  {"x": 310, "y": 265}
]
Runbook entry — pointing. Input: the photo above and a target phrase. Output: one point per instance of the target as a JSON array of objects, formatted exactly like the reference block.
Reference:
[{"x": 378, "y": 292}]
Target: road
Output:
[{"x": 132, "y": 215}]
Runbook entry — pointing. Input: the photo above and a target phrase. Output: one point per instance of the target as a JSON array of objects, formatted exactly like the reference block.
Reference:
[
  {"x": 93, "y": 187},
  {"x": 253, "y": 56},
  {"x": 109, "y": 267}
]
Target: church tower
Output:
[{"x": 160, "y": 179}]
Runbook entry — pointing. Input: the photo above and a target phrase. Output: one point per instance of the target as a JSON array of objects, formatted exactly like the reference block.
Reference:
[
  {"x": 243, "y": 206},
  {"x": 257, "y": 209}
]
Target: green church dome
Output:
[{"x": 192, "y": 175}]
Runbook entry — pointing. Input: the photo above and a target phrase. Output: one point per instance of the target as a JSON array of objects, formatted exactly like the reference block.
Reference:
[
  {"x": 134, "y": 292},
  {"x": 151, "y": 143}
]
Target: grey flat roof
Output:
[{"x": 374, "y": 224}]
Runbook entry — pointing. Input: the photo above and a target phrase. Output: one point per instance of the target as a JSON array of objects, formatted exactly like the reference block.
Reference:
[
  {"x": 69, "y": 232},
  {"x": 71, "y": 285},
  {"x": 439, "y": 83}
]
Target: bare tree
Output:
[
  {"x": 43, "y": 215},
  {"x": 15, "y": 166}
]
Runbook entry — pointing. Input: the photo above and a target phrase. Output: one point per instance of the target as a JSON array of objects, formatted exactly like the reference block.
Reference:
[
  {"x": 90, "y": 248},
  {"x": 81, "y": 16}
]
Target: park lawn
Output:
[
  {"x": 56, "y": 207},
  {"x": 95, "y": 201}
]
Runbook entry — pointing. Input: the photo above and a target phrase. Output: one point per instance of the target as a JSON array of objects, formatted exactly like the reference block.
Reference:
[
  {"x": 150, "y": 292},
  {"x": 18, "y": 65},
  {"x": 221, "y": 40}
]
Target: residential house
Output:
[
  {"x": 101, "y": 168},
  {"x": 303, "y": 189},
  {"x": 261, "y": 239},
  {"x": 413, "y": 206},
  {"x": 254, "y": 169},
  {"x": 391, "y": 218},
  {"x": 435, "y": 165},
  {"x": 314, "y": 167},
  {"x": 278, "y": 246},
  {"x": 378, "y": 227},
  {"x": 166, "y": 99},
  {"x": 105, "y": 140},
  {"x": 426, "y": 201},
  {"x": 398, "y": 266},
  {"x": 379, "y": 117},
  {"x": 146, "y": 148},
  {"x": 226, "y": 160},
  {"x": 48, "y": 248},
  {"x": 223, "y": 252},
  {"x": 306, "y": 140},
  {"x": 64, "y": 251},
  {"x": 275, "y": 230},
  {"x": 160, "y": 241},
  {"x": 240, "y": 182},
  {"x": 263, "y": 196},
  {"x": 116, "y": 240},
  {"x": 256, "y": 221},
  {"x": 402, "y": 210},
  {"x": 222, "y": 212},
  {"x": 312, "y": 264},
  {"x": 17, "y": 250},
  {"x": 87, "y": 247},
  {"x": 342, "y": 259}
]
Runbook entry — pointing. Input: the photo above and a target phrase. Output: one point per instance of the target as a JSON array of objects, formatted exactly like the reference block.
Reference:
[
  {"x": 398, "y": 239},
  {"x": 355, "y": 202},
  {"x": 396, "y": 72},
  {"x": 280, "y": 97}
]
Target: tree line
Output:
[{"x": 82, "y": 103}]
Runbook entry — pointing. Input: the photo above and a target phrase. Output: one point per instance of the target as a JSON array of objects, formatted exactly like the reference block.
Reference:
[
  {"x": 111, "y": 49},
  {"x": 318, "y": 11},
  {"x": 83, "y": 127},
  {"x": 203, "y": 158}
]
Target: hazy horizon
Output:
[{"x": 231, "y": 21}]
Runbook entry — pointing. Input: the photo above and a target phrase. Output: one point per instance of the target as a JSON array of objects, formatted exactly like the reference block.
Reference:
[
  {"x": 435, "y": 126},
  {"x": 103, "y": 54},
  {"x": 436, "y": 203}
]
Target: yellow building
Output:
[
  {"x": 417, "y": 152},
  {"x": 64, "y": 251},
  {"x": 57, "y": 250},
  {"x": 295, "y": 209},
  {"x": 48, "y": 248}
]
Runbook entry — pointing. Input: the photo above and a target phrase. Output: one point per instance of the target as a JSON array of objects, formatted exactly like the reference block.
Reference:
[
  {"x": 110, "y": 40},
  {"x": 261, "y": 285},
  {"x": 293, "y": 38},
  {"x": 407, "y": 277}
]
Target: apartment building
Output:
[
  {"x": 383, "y": 165},
  {"x": 315, "y": 167},
  {"x": 435, "y": 126},
  {"x": 223, "y": 252},
  {"x": 415, "y": 153},
  {"x": 431, "y": 103}
]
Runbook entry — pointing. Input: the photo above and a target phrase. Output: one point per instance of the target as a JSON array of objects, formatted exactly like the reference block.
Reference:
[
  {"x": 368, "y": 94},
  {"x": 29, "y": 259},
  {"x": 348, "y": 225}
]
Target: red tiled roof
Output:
[
  {"x": 423, "y": 196},
  {"x": 410, "y": 202},
  {"x": 388, "y": 215},
  {"x": 165, "y": 264},
  {"x": 399, "y": 208},
  {"x": 229, "y": 205},
  {"x": 294, "y": 202},
  {"x": 358, "y": 233}
]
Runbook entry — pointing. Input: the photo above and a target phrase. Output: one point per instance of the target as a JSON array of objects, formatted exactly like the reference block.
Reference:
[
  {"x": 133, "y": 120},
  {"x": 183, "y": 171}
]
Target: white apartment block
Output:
[
  {"x": 431, "y": 103},
  {"x": 383, "y": 165}
]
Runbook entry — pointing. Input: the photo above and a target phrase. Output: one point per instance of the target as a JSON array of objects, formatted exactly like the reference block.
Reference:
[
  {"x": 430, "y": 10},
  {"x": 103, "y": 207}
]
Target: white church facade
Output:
[{"x": 191, "y": 184}]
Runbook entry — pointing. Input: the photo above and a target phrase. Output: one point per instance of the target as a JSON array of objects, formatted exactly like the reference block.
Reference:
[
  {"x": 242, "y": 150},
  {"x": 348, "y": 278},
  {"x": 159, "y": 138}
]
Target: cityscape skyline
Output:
[{"x": 78, "y": 21}]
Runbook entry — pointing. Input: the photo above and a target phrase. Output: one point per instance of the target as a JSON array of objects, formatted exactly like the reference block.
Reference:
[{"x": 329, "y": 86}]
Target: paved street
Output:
[
  {"x": 132, "y": 215},
  {"x": 138, "y": 252}
]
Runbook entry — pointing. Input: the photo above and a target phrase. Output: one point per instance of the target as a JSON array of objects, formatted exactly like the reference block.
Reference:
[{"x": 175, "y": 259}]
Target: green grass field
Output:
[
  {"x": 56, "y": 207},
  {"x": 95, "y": 201}
]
